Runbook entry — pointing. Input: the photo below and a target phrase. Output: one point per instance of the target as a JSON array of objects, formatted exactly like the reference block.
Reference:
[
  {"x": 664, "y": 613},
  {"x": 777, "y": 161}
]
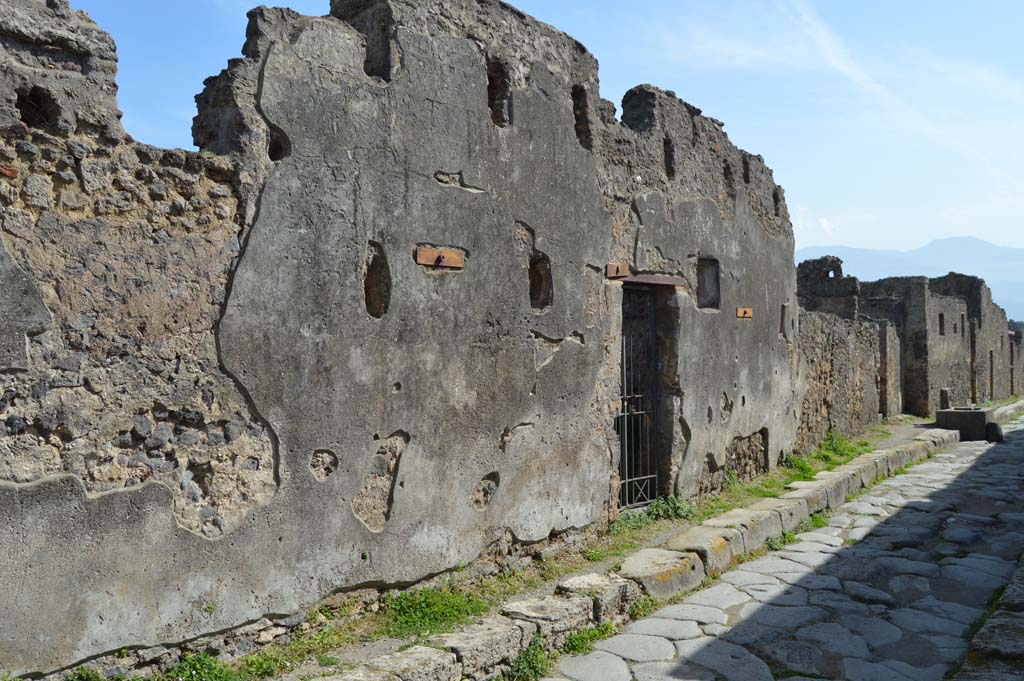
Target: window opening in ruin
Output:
[
  {"x": 963, "y": 326},
  {"x": 782, "y": 321},
  {"x": 377, "y": 281},
  {"x": 942, "y": 324},
  {"x": 38, "y": 108},
  {"x": 542, "y": 289},
  {"x": 499, "y": 92},
  {"x": 709, "y": 293},
  {"x": 777, "y": 200},
  {"x": 581, "y": 112},
  {"x": 954, "y": 328},
  {"x": 636, "y": 421},
  {"x": 670, "y": 158}
]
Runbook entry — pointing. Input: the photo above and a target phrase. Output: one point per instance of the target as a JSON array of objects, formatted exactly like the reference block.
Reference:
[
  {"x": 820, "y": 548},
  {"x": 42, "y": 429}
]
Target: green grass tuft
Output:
[
  {"x": 533, "y": 663},
  {"x": 582, "y": 642},
  {"x": 429, "y": 610}
]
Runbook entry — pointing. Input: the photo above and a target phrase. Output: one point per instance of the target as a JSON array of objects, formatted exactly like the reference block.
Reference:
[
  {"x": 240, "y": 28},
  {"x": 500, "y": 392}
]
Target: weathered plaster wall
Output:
[
  {"x": 841, "y": 360},
  {"x": 231, "y": 390}
]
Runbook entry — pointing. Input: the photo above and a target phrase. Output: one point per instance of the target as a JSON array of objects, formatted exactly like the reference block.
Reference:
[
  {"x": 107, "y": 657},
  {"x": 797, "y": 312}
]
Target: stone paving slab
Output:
[{"x": 889, "y": 590}]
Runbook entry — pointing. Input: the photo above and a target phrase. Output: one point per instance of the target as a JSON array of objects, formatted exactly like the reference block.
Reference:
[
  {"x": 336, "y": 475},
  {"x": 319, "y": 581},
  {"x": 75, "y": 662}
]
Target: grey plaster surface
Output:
[{"x": 894, "y": 611}]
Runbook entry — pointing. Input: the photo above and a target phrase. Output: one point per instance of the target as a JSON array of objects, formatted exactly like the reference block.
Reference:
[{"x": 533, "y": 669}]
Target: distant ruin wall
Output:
[{"x": 840, "y": 360}]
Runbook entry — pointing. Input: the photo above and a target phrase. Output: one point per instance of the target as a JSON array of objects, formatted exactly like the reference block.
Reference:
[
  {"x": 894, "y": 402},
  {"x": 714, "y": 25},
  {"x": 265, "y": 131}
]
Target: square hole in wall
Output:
[{"x": 709, "y": 292}]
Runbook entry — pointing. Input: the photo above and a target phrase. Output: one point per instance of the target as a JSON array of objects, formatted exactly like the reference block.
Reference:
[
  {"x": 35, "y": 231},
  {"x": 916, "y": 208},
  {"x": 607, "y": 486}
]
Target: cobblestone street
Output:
[{"x": 888, "y": 590}]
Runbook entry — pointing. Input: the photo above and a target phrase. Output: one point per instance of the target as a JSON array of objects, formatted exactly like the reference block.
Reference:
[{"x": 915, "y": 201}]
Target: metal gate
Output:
[{"x": 636, "y": 421}]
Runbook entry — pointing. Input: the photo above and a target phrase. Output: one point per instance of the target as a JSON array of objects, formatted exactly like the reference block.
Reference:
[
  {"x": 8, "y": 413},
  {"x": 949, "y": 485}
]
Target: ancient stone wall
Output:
[
  {"x": 841, "y": 360},
  {"x": 821, "y": 287},
  {"x": 890, "y": 373},
  {"x": 235, "y": 382}
]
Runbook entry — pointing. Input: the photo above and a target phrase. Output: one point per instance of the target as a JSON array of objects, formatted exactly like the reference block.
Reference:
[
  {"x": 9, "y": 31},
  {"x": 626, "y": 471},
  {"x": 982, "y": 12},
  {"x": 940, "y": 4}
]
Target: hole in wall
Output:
[
  {"x": 730, "y": 181},
  {"x": 542, "y": 292},
  {"x": 373, "y": 504},
  {"x": 709, "y": 294},
  {"x": 499, "y": 92},
  {"x": 782, "y": 321},
  {"x": 37, "y": 108},
  {"x": 396, "y": 387},
  {"x": 376, "y": 281},
  {"x": 746, "y": 170},
  {"x": 581, "y": 112},
  {"x": 777, "y": 199},
  {"x": 279, "y": 147},
  {"x": 323, "y": 464},
  {"x": 485, "y": 490},
  {"x": 942, "y": 324},
  {"x": 670, "y": 158}
]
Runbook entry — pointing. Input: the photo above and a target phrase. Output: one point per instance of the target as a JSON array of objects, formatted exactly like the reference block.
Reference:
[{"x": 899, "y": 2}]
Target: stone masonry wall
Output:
[
  {"x": 231, "y": 387},
  {"x": 841, "y": 360}
]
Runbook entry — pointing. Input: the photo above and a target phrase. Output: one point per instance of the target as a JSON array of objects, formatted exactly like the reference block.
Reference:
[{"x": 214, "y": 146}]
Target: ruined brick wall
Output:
[
  {"x": 129, "y": 249},
  {"x": 232, "y": 388},
  {"x": 821, "y": 287},
  {"x": 949, "y": 353},
  {"x": 890, "y": 373},
  {"x": 987, "y": 352},
  {"x": 903, "y": 301},
  {"x": 841, "y": 360}
]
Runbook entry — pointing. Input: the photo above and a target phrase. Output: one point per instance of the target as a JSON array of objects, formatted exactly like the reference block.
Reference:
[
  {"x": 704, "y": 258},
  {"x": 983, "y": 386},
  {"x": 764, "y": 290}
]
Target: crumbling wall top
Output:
[{"x": 60, "y": 69}]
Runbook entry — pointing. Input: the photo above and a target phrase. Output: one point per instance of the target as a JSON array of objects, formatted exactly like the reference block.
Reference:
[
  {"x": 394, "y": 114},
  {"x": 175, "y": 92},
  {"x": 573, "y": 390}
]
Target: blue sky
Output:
[{"x": 888, "y": 123}]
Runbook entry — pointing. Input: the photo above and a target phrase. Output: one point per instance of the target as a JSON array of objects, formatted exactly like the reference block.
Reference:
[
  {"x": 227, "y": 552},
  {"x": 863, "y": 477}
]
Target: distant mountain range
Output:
[{"x": 1001, "y": 267}]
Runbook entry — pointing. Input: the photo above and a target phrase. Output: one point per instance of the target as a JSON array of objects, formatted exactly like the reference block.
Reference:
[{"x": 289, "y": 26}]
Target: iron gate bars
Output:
[{"x": 637, "y": 418}]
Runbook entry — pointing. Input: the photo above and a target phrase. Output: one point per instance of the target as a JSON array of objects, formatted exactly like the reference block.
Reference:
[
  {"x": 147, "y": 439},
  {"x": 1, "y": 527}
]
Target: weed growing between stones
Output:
[
  {"x": 533, "y": 663},
  {"x": 84, "y": 674},
  {"x": 582, "y": 642},
  {"x": 429, "y": 611},
  {"x": 643, "y": 607}
]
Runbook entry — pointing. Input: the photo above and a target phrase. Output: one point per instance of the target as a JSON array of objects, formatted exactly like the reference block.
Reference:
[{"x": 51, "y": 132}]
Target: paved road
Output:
[{"x": 887, "y": 591}]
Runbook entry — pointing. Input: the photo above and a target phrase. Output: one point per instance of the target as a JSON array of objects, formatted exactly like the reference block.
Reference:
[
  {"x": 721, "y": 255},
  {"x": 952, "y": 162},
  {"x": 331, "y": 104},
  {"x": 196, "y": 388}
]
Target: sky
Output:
[{"x": 889, "y": 124}]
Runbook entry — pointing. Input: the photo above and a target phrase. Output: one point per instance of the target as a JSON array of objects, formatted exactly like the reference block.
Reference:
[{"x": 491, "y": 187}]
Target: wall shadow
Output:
[{"x": 889, "y": 589}]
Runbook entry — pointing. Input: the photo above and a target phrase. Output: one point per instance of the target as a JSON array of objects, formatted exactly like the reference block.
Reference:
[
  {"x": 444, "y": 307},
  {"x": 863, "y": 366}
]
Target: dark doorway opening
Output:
[{"x": 637, "y": 419}]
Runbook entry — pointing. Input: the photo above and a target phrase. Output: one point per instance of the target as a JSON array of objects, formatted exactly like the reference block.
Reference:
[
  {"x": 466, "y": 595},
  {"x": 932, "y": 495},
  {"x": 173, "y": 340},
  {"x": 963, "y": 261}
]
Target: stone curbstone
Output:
[
  {"x": 554, "y": 616},
  {"x": 756, "y": 527},
  {"x": 418, "y": 663},
  {"x": 664, "y": 574},
  {"x": 716, "y": 546},
  {"x": 612, "y": 595},
  {"x": 791, "y": 511},
  {"x": 485, "y": 646},
  {"x": 814, "y": 496}
]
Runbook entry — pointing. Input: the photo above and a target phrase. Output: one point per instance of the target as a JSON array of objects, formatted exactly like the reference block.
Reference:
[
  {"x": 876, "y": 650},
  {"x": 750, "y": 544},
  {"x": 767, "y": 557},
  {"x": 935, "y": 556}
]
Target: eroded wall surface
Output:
[
  {"x": 230, "y": 386},
  {"x": 842, "y": 383}
]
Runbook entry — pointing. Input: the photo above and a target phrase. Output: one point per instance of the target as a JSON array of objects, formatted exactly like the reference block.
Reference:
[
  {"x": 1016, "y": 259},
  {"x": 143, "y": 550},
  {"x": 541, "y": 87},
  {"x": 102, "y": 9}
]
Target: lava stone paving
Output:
[{"x": 888, "y": 590}]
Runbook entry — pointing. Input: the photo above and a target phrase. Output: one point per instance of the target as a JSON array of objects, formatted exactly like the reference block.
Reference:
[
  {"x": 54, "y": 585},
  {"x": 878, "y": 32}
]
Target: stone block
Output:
[
  {"x": 756, "y": 527},
  {"x": 554, "y": 616},
  {"x": 612, "y": 595},
  {"x": 418, "y": 663},
  {"x": 813, "y": 495},
  {"x": 716, "y": 546},
  {"x": 1001, "y": 636},
  {"x": 363, "y": 674},
  {"x": 664, "y": 574},
  {"x": 791, "y": 511},
  {"x": 481, "y": 647}
]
